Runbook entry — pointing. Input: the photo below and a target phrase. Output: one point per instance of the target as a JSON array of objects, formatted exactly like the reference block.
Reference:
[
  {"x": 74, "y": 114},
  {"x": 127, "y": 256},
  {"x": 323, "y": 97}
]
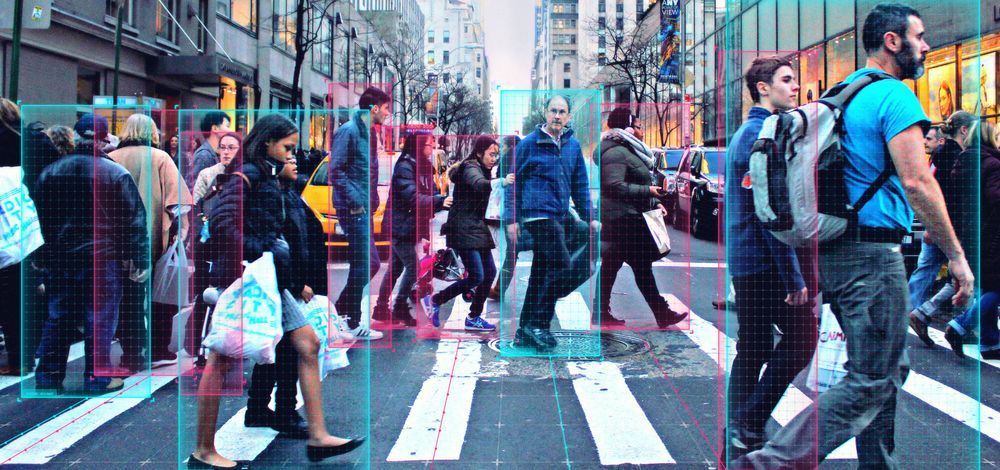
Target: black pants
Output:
[
  {"x": 761, "y": 303},
  {"x": 284, "y": 373},
  {"x": 481, "y": 272},
  {"x": 560, "y": 263},
  {"x": 10, "y": 318},
  {"x": 622, "y": 243},
  {"x": 132, "y": 323}
]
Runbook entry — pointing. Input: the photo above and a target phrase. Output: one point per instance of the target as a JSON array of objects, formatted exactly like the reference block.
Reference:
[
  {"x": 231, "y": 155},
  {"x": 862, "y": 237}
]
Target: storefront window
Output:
[
  {"x": 241, "y": 12},
  {"x": 811, "y": 73},
  {"x": 165, "y": 26},
  {"x": 710, "y": 63},
  {"x": 766, "y": 26},
  {"x": 749, "y": 42},
  {"x": 810, "y": 22},
  {"x": 699, "y": 20},
  {"x": 788, "y": 14},
  {"x": 840, "y": 57},
  {"x": 322, "y": 50}
]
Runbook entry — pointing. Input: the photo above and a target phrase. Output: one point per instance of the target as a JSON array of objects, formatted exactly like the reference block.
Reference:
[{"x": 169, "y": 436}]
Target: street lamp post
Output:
[
  {"x": 15, "y": 56},
  {"x": 118, "y": 55}
]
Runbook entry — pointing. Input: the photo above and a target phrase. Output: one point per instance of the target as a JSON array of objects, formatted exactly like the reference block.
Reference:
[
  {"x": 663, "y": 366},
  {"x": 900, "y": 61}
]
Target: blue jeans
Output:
[
  {"x": 967, "y": 321},
  {"x": 865, "y": 284},
  {"x": 481, "y": 271},
  {"x": 90, "y": 296},
  {"x": 928, "y": 264},
  {"x": 403, "y": 272},
  {"x": 364, "y": 261}
]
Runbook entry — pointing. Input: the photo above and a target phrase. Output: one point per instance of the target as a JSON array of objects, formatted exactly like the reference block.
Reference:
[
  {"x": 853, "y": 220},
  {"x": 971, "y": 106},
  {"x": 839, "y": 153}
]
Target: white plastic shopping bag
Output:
[
  {"x": 322, "y": 315},
  {"x": 171, "y": 276},
  {"x": 178, "y": 329},
  {"x": 20, "y": 232},
  {"x": 496, "y": 198},
  {"x": 246, "y": 322},
  {"x": 831, "y": 354}
]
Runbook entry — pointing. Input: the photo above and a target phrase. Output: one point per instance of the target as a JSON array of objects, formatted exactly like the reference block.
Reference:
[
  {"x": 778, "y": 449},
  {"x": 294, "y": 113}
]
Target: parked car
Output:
[
  {"x": 317, "y": 196},
  {"x": 667, "y": 162},
  {"x": 700, "y": 184}
]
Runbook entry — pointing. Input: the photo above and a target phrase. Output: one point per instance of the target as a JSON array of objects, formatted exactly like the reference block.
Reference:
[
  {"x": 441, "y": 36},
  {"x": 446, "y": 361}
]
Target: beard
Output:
[{"x": 910, "y": 67}]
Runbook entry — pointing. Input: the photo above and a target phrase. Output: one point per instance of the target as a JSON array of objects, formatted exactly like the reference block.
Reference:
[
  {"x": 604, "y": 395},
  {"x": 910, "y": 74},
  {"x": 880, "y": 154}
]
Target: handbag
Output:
[
  {"x": 831, "y": 354},
  {"x": 246, "y": 322},
  {"x": 657, "y": 231},
  {"x": 20, "y": 232},
  {"x": 171, "y": 276}
]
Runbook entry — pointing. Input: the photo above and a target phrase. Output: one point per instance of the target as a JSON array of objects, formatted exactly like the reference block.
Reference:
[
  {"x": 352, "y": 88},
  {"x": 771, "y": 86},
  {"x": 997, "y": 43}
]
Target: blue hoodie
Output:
[{"x": 548, "y": 174}]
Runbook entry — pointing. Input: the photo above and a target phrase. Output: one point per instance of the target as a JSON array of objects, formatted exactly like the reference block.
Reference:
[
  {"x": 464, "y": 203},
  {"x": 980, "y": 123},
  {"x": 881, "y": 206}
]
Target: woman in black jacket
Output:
[
  {"x": 251, "y": 192},
  {"x": 466, "y": 232},
  {"x": 627, "y": 190},
  {"x": 413, "y": 201}
]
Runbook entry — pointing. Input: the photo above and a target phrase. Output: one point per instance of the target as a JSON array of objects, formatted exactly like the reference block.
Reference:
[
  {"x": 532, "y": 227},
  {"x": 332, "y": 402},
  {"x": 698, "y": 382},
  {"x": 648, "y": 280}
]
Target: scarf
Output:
[{"x": 632, "y": 143}]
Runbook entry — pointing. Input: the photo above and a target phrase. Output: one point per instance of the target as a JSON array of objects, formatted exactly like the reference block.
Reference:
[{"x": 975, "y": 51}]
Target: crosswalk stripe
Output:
[
  {"x": 953, "y": 403},
  {"x": 707, "y": 337},
  {"x": 50, "y": 439},
  {"x": 436, "y": 425},
  {"x": 238, "y": 442},
  {"x": 75, "y": 352},
  {"x": 622, "y": 432},
  {"x": 573, "y": 312}
]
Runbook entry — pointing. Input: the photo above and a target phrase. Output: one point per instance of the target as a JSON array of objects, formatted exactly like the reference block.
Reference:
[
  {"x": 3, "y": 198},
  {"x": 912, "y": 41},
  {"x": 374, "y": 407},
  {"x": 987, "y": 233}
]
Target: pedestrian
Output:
[
  {"x": 442, "y": 156},
  {"x": 174, "y": 148},
  {"x": 229, "y": 146},
  {"x": 354, "y": 175},
  {"x": 213, "y": 125},
  {"x": 861, "y": 273},
  {"x": 37, "y": 150},
  {"x": 413, "y": 201},
  {"x": 165, "y": 197},
  {"x": 982, "y": 154},
  {"x": 307, "y": 248},
  {"x": 944, "y": 157},
  {"x": 89, "y": 256},
  {"x": 466, "y": 232},
  {"x": 550, "y": 170},
  {"x": 506, "y": 213},
  {"x": 251, "y": 218},
  {"x": 63, "y": 138},
  {"x": 627, "y": 191},
  {"x": 770, "y": 288}
]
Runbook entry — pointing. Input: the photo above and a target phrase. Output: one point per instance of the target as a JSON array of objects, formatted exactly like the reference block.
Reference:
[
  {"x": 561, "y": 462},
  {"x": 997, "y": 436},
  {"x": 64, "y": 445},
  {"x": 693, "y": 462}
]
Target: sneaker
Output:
[
  {"x": 478, "y": 324},
  {"x": 432, "y": 310},
  {"x": 364, "y": 334}
]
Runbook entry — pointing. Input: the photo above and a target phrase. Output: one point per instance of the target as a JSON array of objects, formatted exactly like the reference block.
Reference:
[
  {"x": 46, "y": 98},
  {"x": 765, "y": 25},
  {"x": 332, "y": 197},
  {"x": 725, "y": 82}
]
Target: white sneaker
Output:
[{"x": 364, "y": 334}]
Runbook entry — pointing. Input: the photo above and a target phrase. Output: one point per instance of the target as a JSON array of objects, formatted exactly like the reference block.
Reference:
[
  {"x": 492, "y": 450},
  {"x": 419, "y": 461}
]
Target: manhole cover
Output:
[{"x": 581, "y": 346}]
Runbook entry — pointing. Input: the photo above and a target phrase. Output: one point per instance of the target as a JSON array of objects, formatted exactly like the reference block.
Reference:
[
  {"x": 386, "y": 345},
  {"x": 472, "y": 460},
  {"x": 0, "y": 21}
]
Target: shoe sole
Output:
[{"x": 473, "y": 328}]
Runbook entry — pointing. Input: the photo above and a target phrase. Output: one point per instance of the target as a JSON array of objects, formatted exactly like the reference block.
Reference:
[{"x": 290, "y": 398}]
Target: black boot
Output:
[{"x": 291, "y": 425}]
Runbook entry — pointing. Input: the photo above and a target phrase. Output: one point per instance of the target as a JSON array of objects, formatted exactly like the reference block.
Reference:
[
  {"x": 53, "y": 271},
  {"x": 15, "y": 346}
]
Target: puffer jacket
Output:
[
  {"x": 307, "y": 244},
  {"x": 89, "y": 208},
  {"x": 625, "y": 182},
  {"x": 466, "y": 226},
  {"x": 412, "y": 194}
]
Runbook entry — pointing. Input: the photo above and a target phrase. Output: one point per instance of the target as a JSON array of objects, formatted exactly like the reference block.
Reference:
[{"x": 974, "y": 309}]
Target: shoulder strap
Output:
[{"x": 245, "y": 179}]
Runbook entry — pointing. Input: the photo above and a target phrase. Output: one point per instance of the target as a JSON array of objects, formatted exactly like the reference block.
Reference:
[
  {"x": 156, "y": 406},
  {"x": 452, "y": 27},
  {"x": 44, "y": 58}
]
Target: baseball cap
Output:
[{"x": 91, "y": 127}]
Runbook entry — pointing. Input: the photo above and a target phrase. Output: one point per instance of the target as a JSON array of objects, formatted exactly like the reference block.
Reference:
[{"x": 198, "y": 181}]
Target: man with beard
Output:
[{"x": 861, "y": 273}]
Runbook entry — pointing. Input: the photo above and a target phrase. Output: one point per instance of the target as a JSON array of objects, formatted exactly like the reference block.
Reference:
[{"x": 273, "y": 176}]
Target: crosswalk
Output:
[{"x": 441, "y": 416}]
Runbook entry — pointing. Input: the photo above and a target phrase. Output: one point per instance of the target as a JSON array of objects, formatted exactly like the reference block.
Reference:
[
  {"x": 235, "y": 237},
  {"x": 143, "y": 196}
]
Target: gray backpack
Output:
[{"x": 797, "y": 169}]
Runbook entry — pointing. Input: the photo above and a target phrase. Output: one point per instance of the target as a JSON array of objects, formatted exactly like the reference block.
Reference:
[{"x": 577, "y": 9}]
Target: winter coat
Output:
[
  {"x": 548, "y": 174},
  {"x": 965, "y": 211},
  {"x": 206, "y": 179},
  {"x": 160, "y": 188},
  {"x": 40, "y": 152},
  {"x": 354, "y": 167},
  {"x": 307, "y": 245},
  {"x": 625, "y": 182},
  {"x": 90, "y": 208},
  {"x": 466, "y": 226},
  {"x": 259, "y": 202},
  {"x": 944, "y": 159},
  {"x": 412, "y": 193},
  {"x": 204, "y": 157}
]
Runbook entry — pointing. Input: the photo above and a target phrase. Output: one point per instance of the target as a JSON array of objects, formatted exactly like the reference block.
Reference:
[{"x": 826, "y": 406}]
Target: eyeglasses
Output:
[
  {"x": 229, "y": 148},
  {"x": 493, "y": 154}
]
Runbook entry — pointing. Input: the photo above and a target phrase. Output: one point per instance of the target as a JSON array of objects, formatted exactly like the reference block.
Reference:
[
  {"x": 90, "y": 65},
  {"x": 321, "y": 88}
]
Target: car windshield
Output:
[
  {"x": 673, "y": 159},
  {"x": 712, "y": 161},
  {"x": 321, "y": 177}
]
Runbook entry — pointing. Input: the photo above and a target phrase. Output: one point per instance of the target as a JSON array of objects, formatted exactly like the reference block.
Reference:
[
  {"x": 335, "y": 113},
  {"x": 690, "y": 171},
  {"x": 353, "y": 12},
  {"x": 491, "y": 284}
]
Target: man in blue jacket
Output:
[
  {"x": 354, "y": 175},
  {"x": 550, "y": 169},
  {"x": 770, "y": 289}
]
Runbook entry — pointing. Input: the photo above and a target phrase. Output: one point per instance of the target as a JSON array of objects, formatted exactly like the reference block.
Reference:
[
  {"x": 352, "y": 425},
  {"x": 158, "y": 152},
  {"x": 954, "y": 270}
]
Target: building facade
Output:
[{"x": 456, "y": 43}]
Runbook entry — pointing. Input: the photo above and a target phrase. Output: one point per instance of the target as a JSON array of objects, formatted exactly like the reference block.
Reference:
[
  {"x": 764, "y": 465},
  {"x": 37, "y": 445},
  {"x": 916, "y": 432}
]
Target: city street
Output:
[{"x": 654, "y": 399}]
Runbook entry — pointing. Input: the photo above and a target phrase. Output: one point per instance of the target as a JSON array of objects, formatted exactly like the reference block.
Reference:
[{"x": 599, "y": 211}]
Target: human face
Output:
[
  {"x": 281, "y": 150},
  {"x": 426, "y": 146},
  {"x": 222, "y": 128},
  {"x": 228, "y": 148},
  {"x": 380, "y": 113},
  {"x": 556, "y": 115},
  {"x": 173, "y": 144},
  {"x": 637, "y": 128},
  {"x": 932, "y": 141},
  {"x": 490, "y": 156},
  {"x": 783, "y": 91},
  {"x": 944, "y": 102},
  {"x": 290, "y": 171},
  {"x": 912, "y": 51}
]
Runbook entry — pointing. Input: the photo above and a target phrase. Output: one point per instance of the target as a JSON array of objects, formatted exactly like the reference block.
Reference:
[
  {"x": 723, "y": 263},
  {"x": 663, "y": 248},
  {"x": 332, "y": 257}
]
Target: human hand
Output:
[{"x": 798, "y": 298}]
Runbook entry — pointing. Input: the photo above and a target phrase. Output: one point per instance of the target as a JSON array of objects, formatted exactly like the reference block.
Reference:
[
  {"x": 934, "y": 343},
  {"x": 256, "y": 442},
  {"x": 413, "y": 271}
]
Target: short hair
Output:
[
  {"x": 885, "y": 18},
  {"x": 762, "y": 69},
  {"x": 563, "y": 97},
  {"x": 141, "y": 128},
  {"x": 372, "y": 97},
  {"x": 620, "y": 118},
  {"x": 936, "y": 130},
  {"x": 213, "y": 118}
]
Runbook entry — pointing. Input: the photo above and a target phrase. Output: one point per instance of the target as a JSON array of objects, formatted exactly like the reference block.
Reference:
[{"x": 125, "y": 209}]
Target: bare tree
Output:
[
  {"x": 305, "y": 22},
  {"x": 463, "y": 111},
  {"x": 404, "y": 56}
]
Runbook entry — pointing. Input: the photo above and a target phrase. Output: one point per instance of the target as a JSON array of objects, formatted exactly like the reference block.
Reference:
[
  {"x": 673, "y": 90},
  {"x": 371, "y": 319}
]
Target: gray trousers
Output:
[{"x": 865, "y": 284}]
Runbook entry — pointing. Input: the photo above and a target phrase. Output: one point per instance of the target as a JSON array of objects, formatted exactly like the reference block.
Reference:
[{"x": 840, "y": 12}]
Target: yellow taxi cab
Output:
[{"x": 317, "y": 195}]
